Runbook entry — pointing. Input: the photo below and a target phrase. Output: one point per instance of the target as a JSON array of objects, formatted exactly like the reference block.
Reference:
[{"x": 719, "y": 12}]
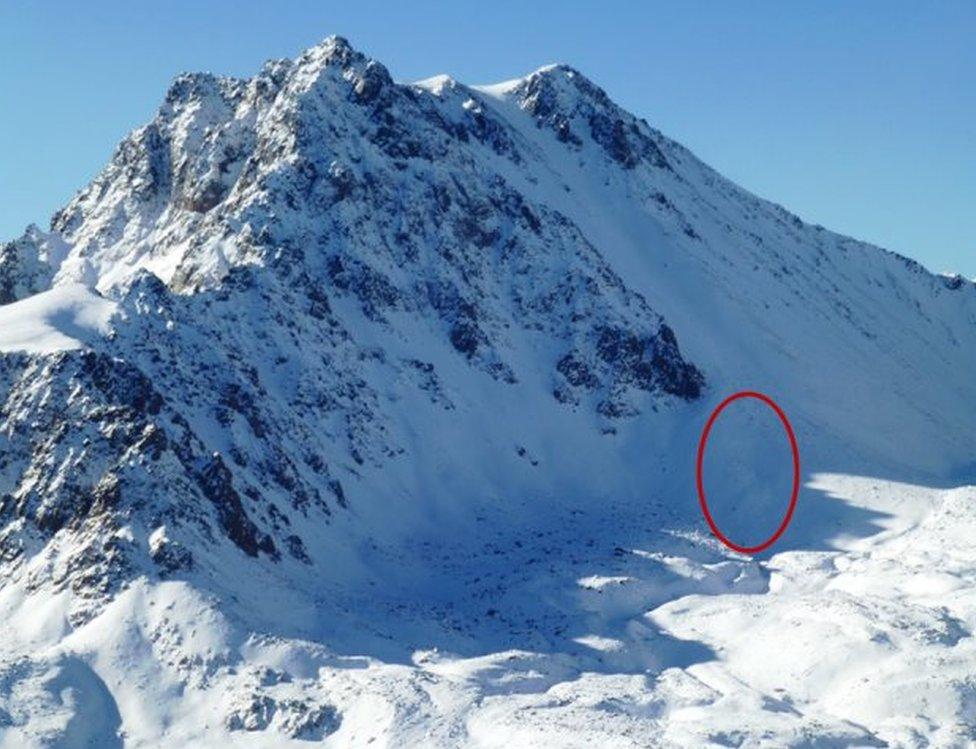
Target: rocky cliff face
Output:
[{"x": 26, "y": 264}]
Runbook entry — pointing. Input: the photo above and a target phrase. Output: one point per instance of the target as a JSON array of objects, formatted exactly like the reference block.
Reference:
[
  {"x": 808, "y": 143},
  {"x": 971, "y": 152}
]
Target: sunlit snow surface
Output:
[
  {"x": 66, "y": 317},
  {"x": 866, "y": 644}
]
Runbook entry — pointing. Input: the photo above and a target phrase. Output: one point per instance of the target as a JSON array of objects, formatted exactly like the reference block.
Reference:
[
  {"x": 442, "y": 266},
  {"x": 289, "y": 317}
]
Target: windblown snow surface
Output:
[
  {"x": 62, "y": 318},
  {"x": 346, "y": 412}
]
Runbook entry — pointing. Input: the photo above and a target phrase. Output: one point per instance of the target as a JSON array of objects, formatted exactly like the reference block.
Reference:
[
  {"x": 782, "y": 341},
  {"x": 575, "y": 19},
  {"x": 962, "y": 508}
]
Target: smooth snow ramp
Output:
[{"x": 66, "y": 317}]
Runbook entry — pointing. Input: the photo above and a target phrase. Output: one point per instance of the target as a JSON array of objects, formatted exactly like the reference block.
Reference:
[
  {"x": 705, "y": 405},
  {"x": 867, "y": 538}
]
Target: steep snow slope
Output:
[
  {"x": 65, "y": 317},
  {"x": 376, "y": 422}
]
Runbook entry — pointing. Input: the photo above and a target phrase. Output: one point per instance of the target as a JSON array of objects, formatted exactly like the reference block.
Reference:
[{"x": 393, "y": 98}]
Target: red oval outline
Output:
[{"x": 701, "y": 484}]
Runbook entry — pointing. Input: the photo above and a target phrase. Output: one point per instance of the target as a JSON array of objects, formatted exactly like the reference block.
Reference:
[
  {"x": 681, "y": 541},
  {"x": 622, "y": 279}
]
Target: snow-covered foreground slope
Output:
[
  {"x": 349, "y": 411},
  {"x": 669, "y": 643}
]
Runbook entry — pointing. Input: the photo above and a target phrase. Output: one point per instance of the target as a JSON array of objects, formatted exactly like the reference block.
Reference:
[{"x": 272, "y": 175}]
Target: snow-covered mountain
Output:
[{"x": 347, "y": 410}]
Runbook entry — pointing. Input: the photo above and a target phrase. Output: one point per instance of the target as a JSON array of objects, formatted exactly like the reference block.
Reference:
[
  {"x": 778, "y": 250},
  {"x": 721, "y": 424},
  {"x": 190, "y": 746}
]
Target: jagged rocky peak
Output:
[
  {"x": 292, "y": 258},
  {"x": 559, "y": 87},
  {"x": 333, "y": 50},
  {"x": 199, "y": 89},
  {"x": 214, "y": 141},
  {"x": 577, "y": 110},
  {"x": 326, "y": 169},
  {"x": 27, "y": 264},
  {"x": 208, "y": 182},
  {"x": 336, "y": 52}
]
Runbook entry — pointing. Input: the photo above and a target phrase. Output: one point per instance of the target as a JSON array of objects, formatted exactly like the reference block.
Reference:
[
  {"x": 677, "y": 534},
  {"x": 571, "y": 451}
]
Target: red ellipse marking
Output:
[{"x": 796, "y": 473}]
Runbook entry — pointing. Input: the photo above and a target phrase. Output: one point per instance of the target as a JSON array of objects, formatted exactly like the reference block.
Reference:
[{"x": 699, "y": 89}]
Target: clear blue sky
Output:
[{"x": 859, "y": 116}]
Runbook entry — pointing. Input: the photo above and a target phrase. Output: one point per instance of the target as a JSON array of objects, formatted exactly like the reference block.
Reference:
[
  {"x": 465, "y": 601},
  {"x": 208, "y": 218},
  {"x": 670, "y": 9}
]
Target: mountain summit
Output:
[{"x": 333, "y": 395}]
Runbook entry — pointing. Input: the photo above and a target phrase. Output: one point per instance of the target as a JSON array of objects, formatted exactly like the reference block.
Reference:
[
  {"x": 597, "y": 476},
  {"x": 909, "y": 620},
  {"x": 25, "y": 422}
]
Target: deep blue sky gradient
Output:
[{"x": 859, "y": 116}]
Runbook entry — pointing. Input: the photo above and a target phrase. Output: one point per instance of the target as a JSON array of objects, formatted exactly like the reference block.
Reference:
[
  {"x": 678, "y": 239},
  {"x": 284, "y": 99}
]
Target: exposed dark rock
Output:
[{"x": 216, "y": 484}]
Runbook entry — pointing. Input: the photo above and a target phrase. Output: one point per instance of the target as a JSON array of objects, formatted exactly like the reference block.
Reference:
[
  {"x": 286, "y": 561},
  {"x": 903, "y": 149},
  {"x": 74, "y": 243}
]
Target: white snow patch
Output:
[
  {"x": 63, "y": 318},
  {"x": 435, "y": 84}
]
